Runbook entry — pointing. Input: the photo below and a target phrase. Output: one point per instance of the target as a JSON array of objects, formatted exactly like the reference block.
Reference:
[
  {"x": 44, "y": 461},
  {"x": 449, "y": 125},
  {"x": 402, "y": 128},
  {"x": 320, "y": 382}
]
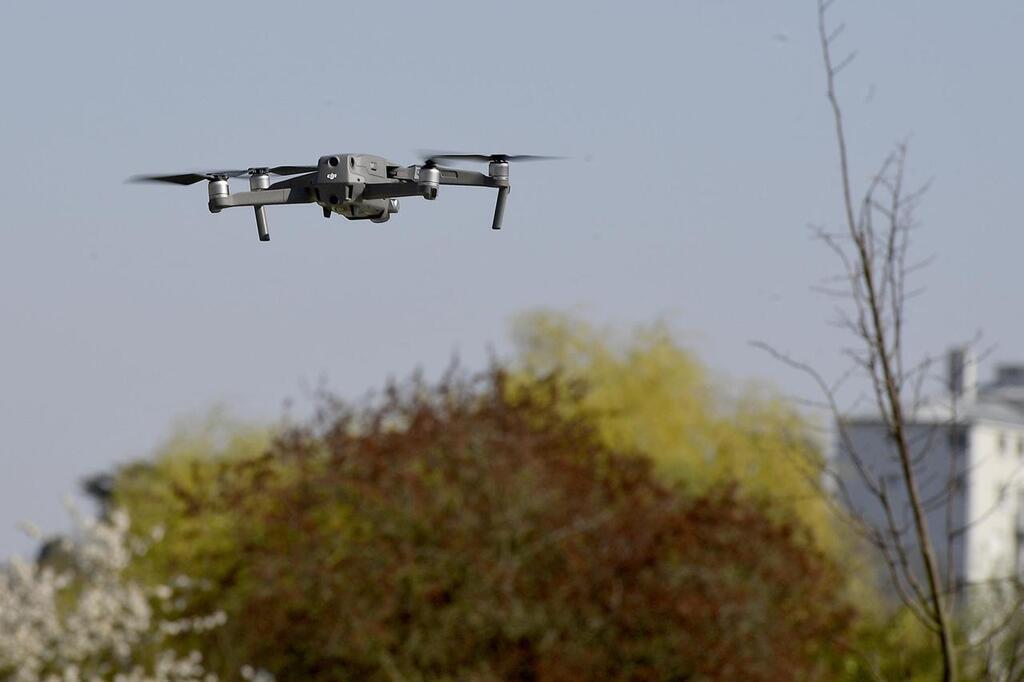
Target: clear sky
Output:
[{"x": 701, "y": 147}]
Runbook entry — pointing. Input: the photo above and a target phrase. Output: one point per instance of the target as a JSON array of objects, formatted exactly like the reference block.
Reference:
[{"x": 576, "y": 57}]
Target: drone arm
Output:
[
  {"x": 408, "y": 187},
  {"x": 450, "y": 176},
  {"x": 264, "y": 197}
]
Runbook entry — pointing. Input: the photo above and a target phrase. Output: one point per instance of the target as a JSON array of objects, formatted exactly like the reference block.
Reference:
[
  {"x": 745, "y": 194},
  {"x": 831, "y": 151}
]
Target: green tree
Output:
[
  {"x": 177, "y": 495},
  {"x": 647, "y": 394}
]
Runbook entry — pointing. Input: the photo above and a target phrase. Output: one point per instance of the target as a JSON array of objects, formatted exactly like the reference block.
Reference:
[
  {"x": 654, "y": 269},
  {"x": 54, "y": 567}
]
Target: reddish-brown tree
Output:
[{"x": 457, "y": 533}]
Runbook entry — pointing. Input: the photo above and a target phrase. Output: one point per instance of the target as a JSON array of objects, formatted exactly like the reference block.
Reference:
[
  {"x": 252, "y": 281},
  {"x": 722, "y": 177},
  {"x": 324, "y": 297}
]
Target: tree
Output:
[
  {"x": 647, "y": 394},
  {"x": 872, "y": 247},
  {"x": 173, "y": 490},
  {"x": 455, "y": 532},
  {"x": 178, "y": 491},
  {"x": 467, "y": 531},
  {"x": 90, "y": 621}
]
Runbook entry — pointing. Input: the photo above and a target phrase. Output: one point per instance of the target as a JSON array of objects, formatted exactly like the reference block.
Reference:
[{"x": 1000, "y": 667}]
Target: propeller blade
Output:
[
  {"x": 292, "y": 170},
  {"x": 533, "y": 157},
  {"x": 183, "y": 179},
  {"x": 434, "y": 157},
  {"x": 192, "y": 178},
  {"x": 189, "y": 178}
]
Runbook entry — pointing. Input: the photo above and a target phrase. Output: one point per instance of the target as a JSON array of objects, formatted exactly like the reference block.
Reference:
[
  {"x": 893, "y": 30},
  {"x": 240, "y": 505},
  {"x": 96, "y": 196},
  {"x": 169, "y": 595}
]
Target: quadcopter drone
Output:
[{"x": 357, "y": 186}]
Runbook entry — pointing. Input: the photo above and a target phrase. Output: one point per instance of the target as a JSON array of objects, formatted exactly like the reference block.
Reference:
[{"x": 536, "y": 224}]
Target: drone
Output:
[{"x": 356, "y": 186}]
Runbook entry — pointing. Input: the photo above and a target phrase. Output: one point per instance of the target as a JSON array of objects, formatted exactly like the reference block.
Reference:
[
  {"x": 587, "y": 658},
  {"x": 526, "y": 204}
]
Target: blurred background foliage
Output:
[
  {"x": 596, "y": 506},
  {"x": 646, "y": 394}
]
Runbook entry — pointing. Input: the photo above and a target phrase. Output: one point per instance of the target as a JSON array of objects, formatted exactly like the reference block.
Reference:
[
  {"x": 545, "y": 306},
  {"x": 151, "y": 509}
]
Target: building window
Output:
[{"x": 958, "y": 439}]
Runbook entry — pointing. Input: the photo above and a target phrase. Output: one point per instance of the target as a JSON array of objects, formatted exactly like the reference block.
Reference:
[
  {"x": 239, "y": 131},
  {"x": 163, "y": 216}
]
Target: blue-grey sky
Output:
[{"x": 700, "y": 143}]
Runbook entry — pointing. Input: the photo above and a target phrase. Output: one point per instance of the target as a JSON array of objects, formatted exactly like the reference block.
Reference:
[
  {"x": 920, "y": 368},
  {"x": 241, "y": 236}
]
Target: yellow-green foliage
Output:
[
  {"x": 172, "y": 492},
  {"x": 647, "y": 394},
  {"x": 897, "y": 647},
  {"x": 177, "y": 496}
]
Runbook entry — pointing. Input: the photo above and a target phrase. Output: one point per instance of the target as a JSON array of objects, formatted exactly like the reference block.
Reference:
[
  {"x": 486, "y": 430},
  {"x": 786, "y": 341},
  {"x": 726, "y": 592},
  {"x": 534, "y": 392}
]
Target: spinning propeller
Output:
[
  {"x": 192, "y": 178},
  {"x": 432, "y": 157}
]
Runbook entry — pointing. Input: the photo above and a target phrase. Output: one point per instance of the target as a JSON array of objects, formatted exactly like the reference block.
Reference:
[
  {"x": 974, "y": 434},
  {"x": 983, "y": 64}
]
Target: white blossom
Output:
[{"x": 91, "y": 623}]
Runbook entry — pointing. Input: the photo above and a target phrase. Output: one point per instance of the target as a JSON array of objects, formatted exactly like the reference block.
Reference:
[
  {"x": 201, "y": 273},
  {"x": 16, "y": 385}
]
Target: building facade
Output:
[{"x": 968, "y": 460}]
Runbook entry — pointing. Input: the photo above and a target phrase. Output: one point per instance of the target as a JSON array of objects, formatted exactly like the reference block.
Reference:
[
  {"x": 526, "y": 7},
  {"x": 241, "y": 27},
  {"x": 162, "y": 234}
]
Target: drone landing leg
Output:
[
  {"x": 261, "y": 224},
  {"x": 499, "y": 208}
]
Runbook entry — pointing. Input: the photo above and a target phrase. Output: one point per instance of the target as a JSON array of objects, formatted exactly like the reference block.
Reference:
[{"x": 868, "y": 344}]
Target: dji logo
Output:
[{"x": 332, "y": 175}]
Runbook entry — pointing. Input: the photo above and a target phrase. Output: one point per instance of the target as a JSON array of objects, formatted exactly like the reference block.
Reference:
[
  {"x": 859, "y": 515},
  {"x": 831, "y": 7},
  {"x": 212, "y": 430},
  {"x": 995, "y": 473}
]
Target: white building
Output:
[{"x": 969, "y": 463}]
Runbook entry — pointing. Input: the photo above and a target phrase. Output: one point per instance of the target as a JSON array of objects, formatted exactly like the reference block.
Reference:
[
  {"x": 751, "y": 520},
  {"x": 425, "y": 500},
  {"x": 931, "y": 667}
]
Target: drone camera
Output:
[
  {"x": 390, "y": 207},
  {"x": 333, "y": 170}
]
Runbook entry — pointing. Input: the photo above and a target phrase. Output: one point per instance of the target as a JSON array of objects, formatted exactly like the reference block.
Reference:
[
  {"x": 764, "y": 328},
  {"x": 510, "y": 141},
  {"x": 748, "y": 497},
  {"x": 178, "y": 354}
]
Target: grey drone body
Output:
[{"x": 357, "y": 186}]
